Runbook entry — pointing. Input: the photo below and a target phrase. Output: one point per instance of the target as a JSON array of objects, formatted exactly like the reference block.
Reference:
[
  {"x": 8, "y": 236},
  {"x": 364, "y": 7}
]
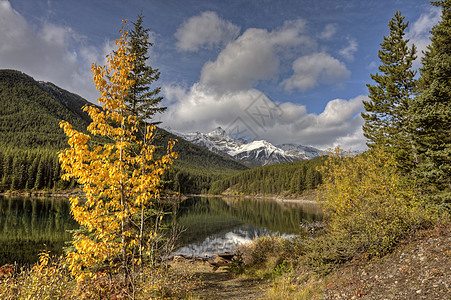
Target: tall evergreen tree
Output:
[
  {"x": 431, "y": 111},
  {"x": 143, "y": 101},
  {"x": 386, "y": 112}
]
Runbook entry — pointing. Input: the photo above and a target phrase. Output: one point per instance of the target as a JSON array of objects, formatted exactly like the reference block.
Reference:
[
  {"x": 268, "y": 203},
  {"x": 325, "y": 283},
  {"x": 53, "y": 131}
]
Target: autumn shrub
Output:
[
  {"x": 47, "y": 279},
  {"x": 257, "y": 252},
  {"x": 369, "y": 207},
  {"x": 268, "y": 256}
]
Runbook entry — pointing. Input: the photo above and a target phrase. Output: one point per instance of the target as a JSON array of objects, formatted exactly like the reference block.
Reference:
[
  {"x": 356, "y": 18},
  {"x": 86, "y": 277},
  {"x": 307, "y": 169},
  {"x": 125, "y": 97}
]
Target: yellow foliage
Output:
[
  {"x": 369, "y": 204},
  {"x": 118, "y": 182}
]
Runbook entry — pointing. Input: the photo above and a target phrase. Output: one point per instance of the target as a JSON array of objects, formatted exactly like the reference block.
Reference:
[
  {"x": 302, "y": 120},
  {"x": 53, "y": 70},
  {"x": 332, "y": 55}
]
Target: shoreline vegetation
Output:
[{"x": 309, "y": 197}]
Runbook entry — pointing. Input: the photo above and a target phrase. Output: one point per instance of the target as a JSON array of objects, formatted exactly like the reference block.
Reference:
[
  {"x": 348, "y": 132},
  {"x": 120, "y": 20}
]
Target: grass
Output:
[{"x": 50, "y": 279}]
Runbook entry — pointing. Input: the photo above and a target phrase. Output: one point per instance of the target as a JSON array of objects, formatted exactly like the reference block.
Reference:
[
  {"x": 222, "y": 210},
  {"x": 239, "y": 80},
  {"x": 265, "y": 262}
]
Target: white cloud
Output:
[
  {"x": 242, "y": 63},
  {"x": 348, "y": 51},
  {"x": 418, "y": 31},
  {"x": 205, "y": 30},
  {"x": 225, "y": 94},
  {"x": 52, "y": 53},
  {"x": 328, "y": 31},
  {"x": 198, "y": 109},
  {"x": 310, "y": 70},
  {"x": 252, "y": 57}
]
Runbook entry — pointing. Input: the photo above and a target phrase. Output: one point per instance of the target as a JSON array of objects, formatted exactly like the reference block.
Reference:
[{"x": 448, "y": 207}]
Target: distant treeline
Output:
[
  {"x": 293, "y": 177},
  {"x": 186, "y": 181},
  {"x": 33, "y": 169},
  {"x": 39, "y": 169}
]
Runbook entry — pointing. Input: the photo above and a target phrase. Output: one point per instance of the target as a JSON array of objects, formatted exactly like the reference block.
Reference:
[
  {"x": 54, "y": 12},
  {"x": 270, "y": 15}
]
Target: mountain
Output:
[
  {"x": 306, "y": 151},
  {"x": 30, "y": 113},
  {"x": 258, "y": 153}
]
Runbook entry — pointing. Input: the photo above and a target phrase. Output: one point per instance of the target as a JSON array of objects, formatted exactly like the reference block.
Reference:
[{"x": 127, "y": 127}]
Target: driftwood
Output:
[
  {"x": 216, "y": 261},
  {"x": 220, "y": 260}
]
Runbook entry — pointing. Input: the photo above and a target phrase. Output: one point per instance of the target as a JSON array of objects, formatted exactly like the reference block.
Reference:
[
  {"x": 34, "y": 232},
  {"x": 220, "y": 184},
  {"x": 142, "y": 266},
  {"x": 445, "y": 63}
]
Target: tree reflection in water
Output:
[
  {"x": 211, "y": 224},
  {"x": 29, "y": 225}
]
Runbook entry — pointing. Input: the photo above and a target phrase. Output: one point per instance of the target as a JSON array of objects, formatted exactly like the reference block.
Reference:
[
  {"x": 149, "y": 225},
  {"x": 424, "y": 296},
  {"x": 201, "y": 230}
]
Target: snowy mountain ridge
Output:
[{"x": 259, "y": 152}]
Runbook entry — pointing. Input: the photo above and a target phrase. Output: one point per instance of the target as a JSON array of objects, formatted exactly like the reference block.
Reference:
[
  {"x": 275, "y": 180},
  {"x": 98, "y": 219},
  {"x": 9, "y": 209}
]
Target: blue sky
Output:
[{"x": 285, "y": 71}]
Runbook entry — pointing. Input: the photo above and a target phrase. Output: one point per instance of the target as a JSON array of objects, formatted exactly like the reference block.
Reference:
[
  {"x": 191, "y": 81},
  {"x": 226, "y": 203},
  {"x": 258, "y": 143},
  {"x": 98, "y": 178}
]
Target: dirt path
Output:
[
  {"x": 221, "y": 284},
  {"x": 224, "y": 285}
]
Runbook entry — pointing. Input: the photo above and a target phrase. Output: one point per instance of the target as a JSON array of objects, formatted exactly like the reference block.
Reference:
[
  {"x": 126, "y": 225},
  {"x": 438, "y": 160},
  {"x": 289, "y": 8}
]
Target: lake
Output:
[{"x": 211, "y": 225}]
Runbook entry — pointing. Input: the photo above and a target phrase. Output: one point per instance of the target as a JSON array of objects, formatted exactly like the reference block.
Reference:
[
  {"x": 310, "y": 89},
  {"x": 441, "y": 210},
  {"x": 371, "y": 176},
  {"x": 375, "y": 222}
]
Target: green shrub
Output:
[{"x": 369, "y": 207}]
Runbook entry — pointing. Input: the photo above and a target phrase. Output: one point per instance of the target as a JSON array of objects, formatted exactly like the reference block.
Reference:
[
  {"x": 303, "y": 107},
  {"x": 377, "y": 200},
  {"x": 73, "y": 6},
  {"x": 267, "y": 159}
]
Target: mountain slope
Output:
[
  {"x": 276, "y": 179},
  {"x": 30, "y": 112},
  {"x": 258, "y": 153}
]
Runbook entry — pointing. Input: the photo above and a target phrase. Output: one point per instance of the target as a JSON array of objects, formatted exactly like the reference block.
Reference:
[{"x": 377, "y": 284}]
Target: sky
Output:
[{"x": 292, "y": 71}]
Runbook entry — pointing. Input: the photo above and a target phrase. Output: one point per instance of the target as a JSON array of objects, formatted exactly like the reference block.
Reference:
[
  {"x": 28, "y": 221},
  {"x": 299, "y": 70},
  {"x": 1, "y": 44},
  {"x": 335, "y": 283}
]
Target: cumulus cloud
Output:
[
  {"x": 258, "y": 117},
  {"x": 328, "y": 31},
  {"x": 242, "y": 63},
  {"x": 348, "y": 51},
  {"x": 418, "y": 31},
  {"x": 252, "y": 57},
  {"x": 51, "y": 53},
  {"x": 205, "y": 30},
  {"x": 310, "y": 70},
  {"x": 225, "y": 94}
]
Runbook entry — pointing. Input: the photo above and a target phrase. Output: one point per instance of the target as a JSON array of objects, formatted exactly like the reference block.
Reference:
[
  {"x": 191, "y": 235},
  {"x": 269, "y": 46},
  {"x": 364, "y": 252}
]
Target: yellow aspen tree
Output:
[{"x": 119, "y": 180}]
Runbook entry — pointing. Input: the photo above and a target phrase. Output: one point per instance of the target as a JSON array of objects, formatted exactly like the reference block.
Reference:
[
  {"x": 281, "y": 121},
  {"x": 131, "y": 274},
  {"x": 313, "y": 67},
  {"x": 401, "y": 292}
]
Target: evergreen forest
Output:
[{"x": 287, "y": 178}]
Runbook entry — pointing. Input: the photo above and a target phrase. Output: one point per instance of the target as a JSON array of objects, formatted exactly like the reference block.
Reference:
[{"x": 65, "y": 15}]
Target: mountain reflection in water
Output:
[
  {"x": 211, "y": 225},
  {"x": 215, "y": 225},
  {"x": 29, "y": 225},
  {"x": 226, "y": 242}
]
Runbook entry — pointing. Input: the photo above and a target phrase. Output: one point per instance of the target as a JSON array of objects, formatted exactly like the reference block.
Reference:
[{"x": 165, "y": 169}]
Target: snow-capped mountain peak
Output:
[
  {"x": 259, "y": 152},
  {"x": 218, "y": 132}
]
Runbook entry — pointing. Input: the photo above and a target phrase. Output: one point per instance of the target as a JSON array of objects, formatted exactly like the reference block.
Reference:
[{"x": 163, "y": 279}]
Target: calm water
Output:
[
  {"x": 215, "y": 225},
  {"x": 212, "y": 225},
  {"x": 29, "y": 225}
]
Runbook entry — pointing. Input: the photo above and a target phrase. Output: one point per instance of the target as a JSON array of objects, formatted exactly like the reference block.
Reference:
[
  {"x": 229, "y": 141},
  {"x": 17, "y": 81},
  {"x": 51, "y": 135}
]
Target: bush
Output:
[
  {"x": 268, "y": 256},
  {"x": 369, "y": 206},
  {"x": 45, "y": 280}
]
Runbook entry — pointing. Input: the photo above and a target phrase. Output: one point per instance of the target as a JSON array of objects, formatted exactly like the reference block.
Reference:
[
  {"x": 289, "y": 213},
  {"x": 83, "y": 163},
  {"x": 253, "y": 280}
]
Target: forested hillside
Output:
[
  {"x": 30, "y": 112},
  {"x": 293, "y": 177},
  {"x": 30, "y": 137}
]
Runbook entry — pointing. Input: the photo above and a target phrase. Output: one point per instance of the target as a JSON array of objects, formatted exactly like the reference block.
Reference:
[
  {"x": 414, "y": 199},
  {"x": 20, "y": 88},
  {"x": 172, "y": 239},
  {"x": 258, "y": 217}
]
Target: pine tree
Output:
[
  {"x": 386, "y": 112},
  {"x": 142, "y": 100},
  {"x": 32, "y": 172},
  {"x": 431, "y": 111},
  {"x": 40, "y": 180}
]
